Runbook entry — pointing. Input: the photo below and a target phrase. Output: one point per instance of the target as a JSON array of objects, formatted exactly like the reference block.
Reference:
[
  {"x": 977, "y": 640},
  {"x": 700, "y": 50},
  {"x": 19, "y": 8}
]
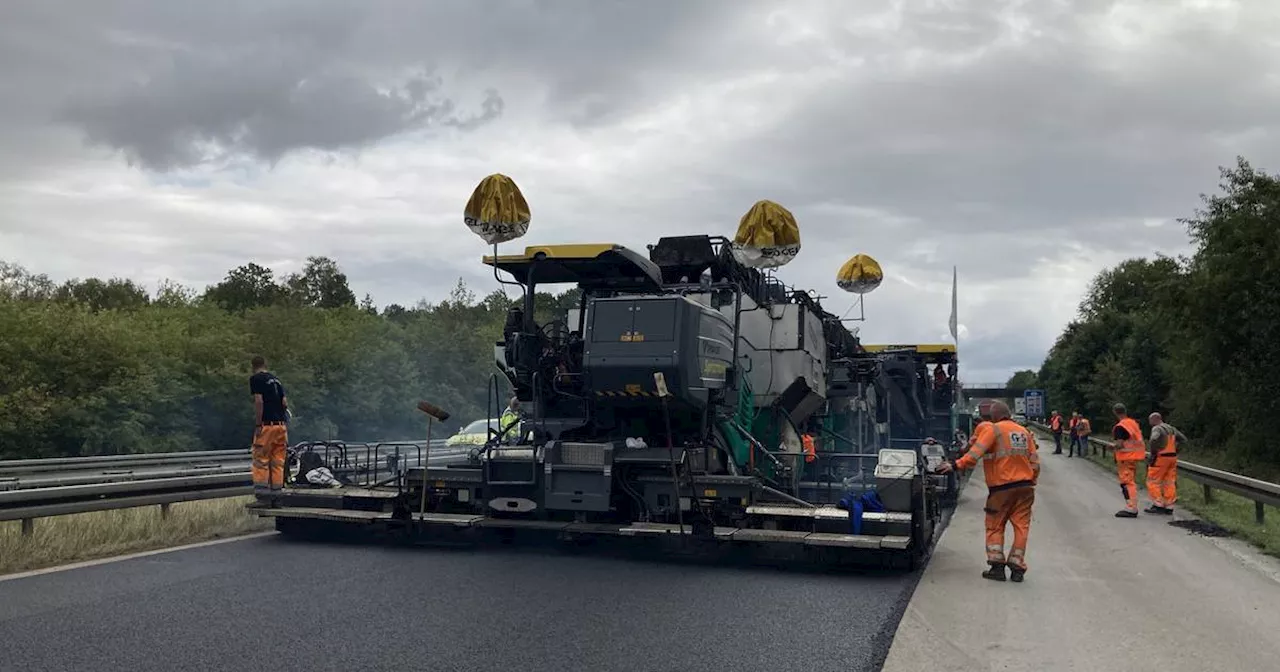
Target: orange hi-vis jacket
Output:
[
  {"x": 1055, "y": 423},
  {"x": 1132, "y": 448},
  {"x": 810, "y": 451},
  {"x": 977, "y": 429},
  {"x": 1008, "y": 454},
  {"x": 1082, "y": 427}
]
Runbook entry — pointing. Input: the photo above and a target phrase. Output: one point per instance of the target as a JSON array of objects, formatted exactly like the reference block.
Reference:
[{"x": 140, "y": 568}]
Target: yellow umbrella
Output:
[
  {"x": 768, "y": 236},
  {"x": 860, "y": 274},
  {"x": 497, "y": 211}
]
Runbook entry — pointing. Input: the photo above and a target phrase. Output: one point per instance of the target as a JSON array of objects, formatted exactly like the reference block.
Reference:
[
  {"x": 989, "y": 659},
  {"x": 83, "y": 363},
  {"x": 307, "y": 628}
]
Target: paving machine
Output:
[
  {"x": 689, "y": 404},
  {"x": 924, "y": 407}
]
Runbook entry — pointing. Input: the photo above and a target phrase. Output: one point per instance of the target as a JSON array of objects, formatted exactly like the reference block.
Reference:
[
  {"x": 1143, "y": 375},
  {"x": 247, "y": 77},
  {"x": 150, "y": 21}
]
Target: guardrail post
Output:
[
  {"x": 1258, "y": 512},
  {"x": 1208, "y": 494},
  {"x": 28, "y": 526},
  {"x": 164, "y": 511}
]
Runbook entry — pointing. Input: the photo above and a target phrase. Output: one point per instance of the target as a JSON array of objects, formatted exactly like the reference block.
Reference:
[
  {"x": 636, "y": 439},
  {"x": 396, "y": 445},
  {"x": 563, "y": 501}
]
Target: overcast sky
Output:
[{"x": 1029, "y": 143}]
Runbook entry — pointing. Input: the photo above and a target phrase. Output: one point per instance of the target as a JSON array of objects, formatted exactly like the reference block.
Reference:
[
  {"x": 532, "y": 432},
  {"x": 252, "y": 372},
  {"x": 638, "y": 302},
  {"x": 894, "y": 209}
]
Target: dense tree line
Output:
[
  {"x": 103, "y": 366},
  {"x": 1196, "y": 338}
]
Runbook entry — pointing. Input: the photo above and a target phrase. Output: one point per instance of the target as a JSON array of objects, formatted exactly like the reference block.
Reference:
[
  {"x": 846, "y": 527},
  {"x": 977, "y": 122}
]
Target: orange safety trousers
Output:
[
  {"x": 268, "y": 457},
  {"x": 1127, "y": 470},
  {"x": 1162, "y": 481},
  {"x": 1004, "y": 507}
]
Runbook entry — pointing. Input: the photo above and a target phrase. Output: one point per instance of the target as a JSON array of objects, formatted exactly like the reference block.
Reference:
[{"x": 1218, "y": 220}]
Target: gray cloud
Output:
[
  {"x": 1030, "y": 143},
  {"x": 198, "y": 111},
  {"x": 180, "y": 84},
  {"x": 1022, "y": 143}
]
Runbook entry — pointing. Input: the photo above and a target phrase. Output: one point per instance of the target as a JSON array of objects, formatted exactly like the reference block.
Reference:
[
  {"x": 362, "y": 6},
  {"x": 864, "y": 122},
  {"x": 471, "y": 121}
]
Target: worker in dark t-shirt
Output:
[{"x": 271, "y": 431}]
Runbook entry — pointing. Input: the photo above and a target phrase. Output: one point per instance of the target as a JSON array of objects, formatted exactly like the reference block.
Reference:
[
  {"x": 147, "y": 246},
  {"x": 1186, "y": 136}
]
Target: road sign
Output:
[
  {"x": 1020, "y": 405},
  {"x": 1034, "y": 401}
]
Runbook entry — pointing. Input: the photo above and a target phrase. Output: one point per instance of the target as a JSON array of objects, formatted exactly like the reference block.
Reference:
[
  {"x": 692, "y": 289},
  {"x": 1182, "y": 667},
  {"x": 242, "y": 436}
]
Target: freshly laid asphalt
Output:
[{"x": 271, "y": 604}]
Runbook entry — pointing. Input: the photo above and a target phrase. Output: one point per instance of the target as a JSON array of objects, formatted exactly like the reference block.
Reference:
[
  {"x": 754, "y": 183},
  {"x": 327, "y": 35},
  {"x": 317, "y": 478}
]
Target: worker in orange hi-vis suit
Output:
[
  {"x": 1055, "y": 426},
  {"x": 1162, "y": 465},
  {"x": 1011, "y": 465},
  {"x": 1082, "y": 434},
  {"x": 1072, "y": 424},
  {"x": 810, "y": 450},
  {"x": 1130, "y": 451}
]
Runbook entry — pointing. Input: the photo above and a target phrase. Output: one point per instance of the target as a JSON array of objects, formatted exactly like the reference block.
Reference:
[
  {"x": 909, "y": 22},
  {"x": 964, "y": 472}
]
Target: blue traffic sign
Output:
[{"x": 1034, "y": 400}]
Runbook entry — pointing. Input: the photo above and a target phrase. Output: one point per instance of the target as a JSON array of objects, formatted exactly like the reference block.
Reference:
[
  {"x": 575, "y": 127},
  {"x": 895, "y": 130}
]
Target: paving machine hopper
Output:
[{"x": 689, "y": 403}]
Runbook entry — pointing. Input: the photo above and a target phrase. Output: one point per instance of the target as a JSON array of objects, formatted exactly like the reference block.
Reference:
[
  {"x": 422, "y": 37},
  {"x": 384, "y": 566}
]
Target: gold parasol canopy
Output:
[
  {"x": 860, "y": 275},
  {"x": 768, "y": 236},
  {"x": 497, "y": 211}
]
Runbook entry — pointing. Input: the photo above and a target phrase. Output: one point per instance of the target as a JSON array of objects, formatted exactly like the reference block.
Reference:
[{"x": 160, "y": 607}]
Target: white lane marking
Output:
[{"x": 131, "y": 556}]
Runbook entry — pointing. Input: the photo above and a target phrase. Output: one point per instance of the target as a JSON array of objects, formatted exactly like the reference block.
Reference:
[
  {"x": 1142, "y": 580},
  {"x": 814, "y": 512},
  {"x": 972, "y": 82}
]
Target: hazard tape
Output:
[{"x": 615, "y": 393}]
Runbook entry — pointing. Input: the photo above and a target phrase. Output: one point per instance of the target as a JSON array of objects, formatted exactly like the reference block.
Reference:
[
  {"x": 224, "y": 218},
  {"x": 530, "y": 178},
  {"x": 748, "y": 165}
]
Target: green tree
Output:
[
  {"x": 84, "y": 377},
  {"x": 321, "y": 284},
  {"x": 1228, "y": 359},
  {"x": 245, "y": 287},
  {"x": 18, "y": 283},
  {"x": 366, "y": 304},
  {"x": 113, "y": 294},
  {"x": 1023, "y": 379},
  {"x": 1195, "y": 338}
]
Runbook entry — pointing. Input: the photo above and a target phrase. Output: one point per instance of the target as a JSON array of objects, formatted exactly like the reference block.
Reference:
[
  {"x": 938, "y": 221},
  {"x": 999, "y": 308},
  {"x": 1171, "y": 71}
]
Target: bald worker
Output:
[
  {"x": 1011, "y": 466},
  {"x": 1162, "y": 464}
]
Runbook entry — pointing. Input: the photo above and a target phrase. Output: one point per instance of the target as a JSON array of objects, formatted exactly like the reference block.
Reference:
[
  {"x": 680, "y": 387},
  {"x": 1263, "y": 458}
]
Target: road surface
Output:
[
  {"x": 270, "y": 604},
  {"x": 1101, "y": 593}
]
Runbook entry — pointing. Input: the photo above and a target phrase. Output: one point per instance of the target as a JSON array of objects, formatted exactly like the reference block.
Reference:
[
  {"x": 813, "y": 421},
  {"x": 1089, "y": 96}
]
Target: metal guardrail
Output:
[
  {"x": 41, "y": 488},
  {"x": 1261, "y": 493},
  {"x": 8, "y": 467}
]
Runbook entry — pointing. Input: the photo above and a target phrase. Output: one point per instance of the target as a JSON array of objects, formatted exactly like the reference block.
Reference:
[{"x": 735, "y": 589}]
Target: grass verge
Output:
[
  {"x": 1232, "y": 512},
  {"x": 89, "y": 536}
]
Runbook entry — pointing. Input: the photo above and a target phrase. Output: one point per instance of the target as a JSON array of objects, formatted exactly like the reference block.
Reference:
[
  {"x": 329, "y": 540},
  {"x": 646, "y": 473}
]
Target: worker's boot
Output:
[
  {"x": 995, "y": 572},
  {"x": 1015, "y": 574},
  {"x": 1125, "y": 513}
]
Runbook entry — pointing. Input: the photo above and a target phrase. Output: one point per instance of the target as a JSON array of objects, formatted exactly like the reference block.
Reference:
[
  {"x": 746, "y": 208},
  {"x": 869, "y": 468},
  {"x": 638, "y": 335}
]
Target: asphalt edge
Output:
[
  {"x": 882, "y": 642},
  {"x": 131, "y": 556}
]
